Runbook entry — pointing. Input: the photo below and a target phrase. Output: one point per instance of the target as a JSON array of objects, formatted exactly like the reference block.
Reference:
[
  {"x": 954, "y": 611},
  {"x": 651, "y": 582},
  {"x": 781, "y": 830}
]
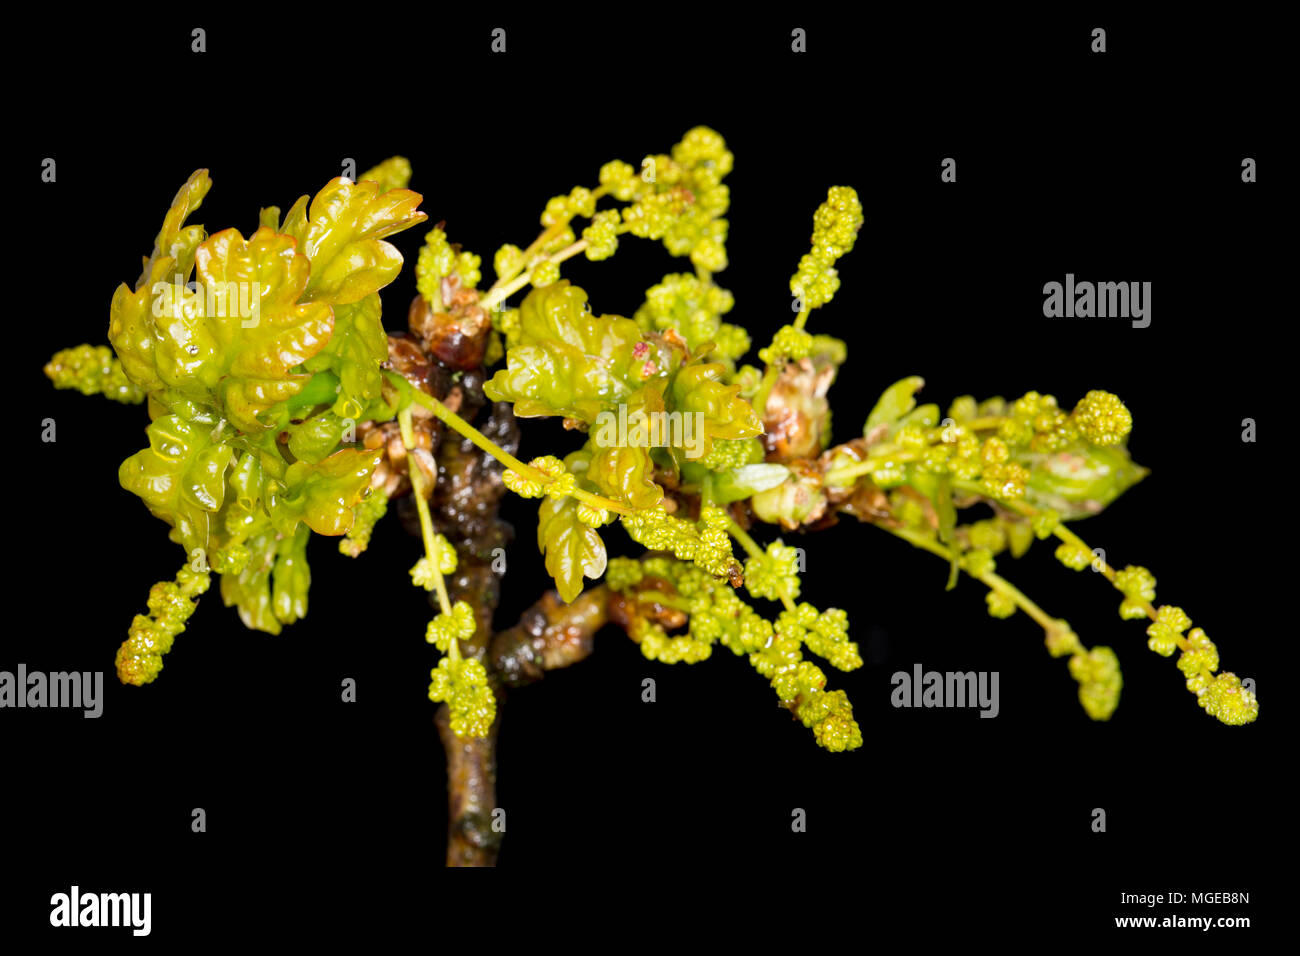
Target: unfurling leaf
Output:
[
  {"x": 131, "y": 325},
  {"x": 1079, "y": 480},
  {"x": 249, "y": 590},
  {"x": 625, "y": 473},
  {"x": 746, "y": 480},
  {"x": 181, "y": 476},
  {"x": 316, "y": 437},
  {"x": 572, "y": 549},
  {"x": 895, "y": 402},
  {"x": 291, "y": 577},
  {"x": 570, "y": 362},
  {"x": 354, "y": 353},
  {"x": 247, "y": 358},
  {"x": 175, "y": 240},
  {"x": 697, "y": 390},
  {"x": 342, "y": 235},
  {"x": 322, "y": 494}
]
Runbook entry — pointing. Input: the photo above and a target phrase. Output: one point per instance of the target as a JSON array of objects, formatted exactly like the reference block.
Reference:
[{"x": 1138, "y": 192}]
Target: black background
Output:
[{"x": 1122, "y": 166}]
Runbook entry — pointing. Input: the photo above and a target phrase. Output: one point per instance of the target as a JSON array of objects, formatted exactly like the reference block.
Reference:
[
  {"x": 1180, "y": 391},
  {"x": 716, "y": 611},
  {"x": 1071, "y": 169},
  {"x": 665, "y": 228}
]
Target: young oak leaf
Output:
[
  {"x": 321, "y": 389},
  {"x": 315, "y": 438},
  {"x": 1079, "y": 480},
  {"x": 269, "y": 586},
  {"x": 568, "y": 361},
  {"x": 181, "y": 476},
  {"x": 354, "y": 353},
  {"x": 895, "y": 402},
  {"x": 745, "y": 481},
  {"x": 291, "y": 577},
  {"x": 620, "y": 465},
  {"x": 571, "y": 548},
  {"x": 342, "y": 235},
  {"x": 250, "y": 590},
  {"x": 247, "y": 360},
  {"x": 244, "y": 516},
  {"x": 579, "y": 464},
  {"x": 697, "y": 391},
  {"x": 175, "y": 240},
  {"x": 625, "y": 474},
  {"x": 322, "y": 494},
  {"x": 131, "y": 321},
  {"x": 240, "y": 354}
]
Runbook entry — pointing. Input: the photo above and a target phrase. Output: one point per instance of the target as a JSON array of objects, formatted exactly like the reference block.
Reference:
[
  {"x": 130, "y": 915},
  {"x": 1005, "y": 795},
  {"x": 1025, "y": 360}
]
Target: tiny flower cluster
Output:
[
  {"x": 369, "y": 512},
  {"x": 171, "y": 603},
  {"x": 694, "y": 309},
  {"x": 704, "y": 543},
  {"x": 423, "y": 574},
  {"x": 835, "y": 228},
  {"x": 789, "y": 343},
  {"x": 548, "y": 465},
  {"x": 1138, "y": 586},
  {"x": 918, "y": 446},
  {"x": 714, "y": 613},
  {"x": 825, "y": 633},
  {"x": 93, "y": 370},
  {"x": 679, "y": 199},
  {"x": 439, "y": 260},
  {"x": 774, "y": 574},
  {"x": 459, "y": 625},
  {"x": 1100, "y": 681},
  {"x": 1221, "y": 695},
  {"x": 731, "y": 453},
  {"x": 462, "y": 683}
]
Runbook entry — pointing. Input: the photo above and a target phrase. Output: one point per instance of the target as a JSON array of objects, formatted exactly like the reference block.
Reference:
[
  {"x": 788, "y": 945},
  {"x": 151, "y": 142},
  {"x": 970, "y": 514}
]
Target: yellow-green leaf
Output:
[
  {"x": 354, "y": 353},
  {"x": 291, "y": 577},
  {"x": 568, "y": 361},
  {"x": 322, "y": 494},
  {"x": 181, "y": 476},
  {"x": 572, "y": 549},
  {"x": 625, "y": 473},
  {"x": 697, "y": 390},
  {"x": 342, "y": 235},
  {"x": 250, "y": 589},
  {"x": 895, "y": 402},
  {"x": 247, "y": 353}
]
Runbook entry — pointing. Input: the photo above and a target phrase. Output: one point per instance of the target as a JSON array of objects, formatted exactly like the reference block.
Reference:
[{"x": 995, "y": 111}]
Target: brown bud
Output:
[
  {"x": 796, "y": 421},
  {"x": 391, "y": 475},
  {"x": 457, "y": 337},
  {"x": 419, "y": 317},
  {"x": 460, "y": 340},
  {"x": 407, "y": 358}
]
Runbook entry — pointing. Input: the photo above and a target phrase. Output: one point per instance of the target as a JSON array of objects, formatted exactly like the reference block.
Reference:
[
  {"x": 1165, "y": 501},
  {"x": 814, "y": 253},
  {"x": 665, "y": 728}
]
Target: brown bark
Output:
[
  {"x": 549, "y": 635},
  {"x": 465, "y": 504},
  {"x": 471, "y": 794},
  {"x": 444, "y": 355}
]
